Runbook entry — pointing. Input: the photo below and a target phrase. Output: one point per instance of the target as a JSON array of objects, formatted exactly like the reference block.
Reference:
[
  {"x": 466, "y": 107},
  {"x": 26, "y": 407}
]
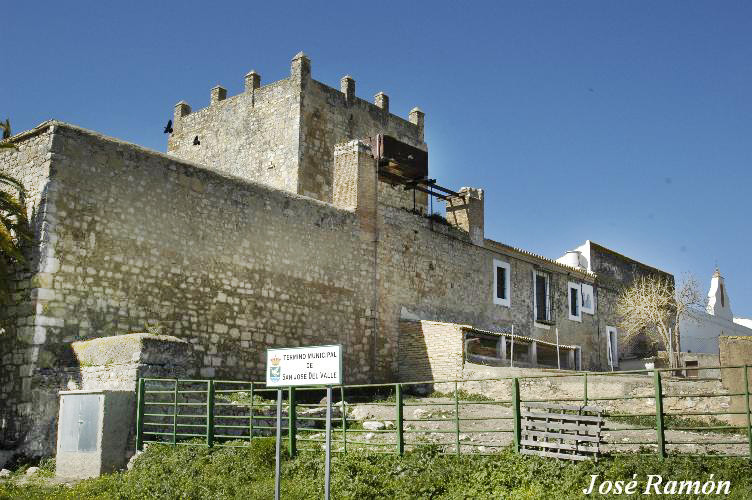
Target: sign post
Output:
[
  {"x": 279, "y": 440},
  {"x": 327, "y": 467},
  {"x": 300, "y": 366},
  {"x": 558, "y": 355}
]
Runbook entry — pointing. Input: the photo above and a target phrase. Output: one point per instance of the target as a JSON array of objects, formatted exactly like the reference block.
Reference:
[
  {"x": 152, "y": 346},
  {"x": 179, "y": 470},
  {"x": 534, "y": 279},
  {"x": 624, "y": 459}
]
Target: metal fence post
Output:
[
  {"x": 746, "y": 408},
  {"x": 457, "y": 416},
  {"x": 210, "y": 414},
  {"x": 344, "y": 418},
  {"x": 291, "y": 423},
  {"x": 140, "y": 415},
  {"x": 250, "y": 423},
  {"x": 660, "y": 435},
  {"x": 175, "y": 414},
  {"x": 399, "y": 422},
  {"x": 516, "y": 413},
  {"x": 584, "y": 388}
]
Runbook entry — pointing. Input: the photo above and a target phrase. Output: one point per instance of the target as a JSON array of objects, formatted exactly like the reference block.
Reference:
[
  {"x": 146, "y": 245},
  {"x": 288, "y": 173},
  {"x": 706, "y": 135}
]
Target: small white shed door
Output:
[{"x": 79, "y": 414}]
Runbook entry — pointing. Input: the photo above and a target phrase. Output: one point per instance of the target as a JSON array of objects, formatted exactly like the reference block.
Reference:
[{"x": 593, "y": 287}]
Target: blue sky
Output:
[{"x": 627, "y": 123}]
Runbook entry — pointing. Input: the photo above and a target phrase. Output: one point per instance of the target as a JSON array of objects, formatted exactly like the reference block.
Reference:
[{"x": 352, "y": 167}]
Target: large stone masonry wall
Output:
[
  {"x": 227, "y": 264},
  {"x": 433, "y": 271},
  {"x": 135, "y": 237},
  {"x": 230, "y": 266},
  {"x": 29, "y": 163}
]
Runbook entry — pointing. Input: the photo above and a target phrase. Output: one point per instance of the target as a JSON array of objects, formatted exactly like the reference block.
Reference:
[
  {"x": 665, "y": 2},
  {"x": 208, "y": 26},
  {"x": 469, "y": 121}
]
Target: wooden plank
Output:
[
  {"x": 562, "y": 416},
  {"x": 589, "y": 430},
  {"x": 559, "y": 435},
  {"x": 558, "y": 432},
  {"x": 552, "y": 454},
  {"x": 549, "y": 406},
  {"x": 559, "y": 446},
  {"x": 568, "y": 426}
]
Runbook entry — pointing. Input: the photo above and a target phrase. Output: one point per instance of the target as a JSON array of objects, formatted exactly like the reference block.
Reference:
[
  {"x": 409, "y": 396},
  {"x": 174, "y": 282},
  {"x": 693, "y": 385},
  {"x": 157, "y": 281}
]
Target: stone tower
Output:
[{"x": 283, "y": 134}]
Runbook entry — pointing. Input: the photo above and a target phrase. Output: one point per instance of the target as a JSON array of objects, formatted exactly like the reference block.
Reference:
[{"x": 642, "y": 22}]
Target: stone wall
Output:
[
  {"x": 230, "y": 266},
  {"x": 435, "y": 272},
  {"x": 115, "y": 363},
  {"x": 538, "y": 384},
  {"x": 131, "y": 237},
  {"x": 736, "y": 351},
  {"x": 615, "y": 272},
  {"x": 134, "y": 238},
  {"x": 253, "y": 135},
  {"x": 110, "y": 363},
  {"x": 29, "y": 163}
]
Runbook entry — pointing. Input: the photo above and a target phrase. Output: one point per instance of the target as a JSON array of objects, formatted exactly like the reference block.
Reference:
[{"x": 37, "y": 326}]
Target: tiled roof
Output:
[{"x": 527, "y": 253}]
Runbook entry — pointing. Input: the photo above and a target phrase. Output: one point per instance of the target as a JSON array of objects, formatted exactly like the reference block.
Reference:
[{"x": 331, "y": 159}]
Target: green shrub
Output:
[{"x": 247, "y": 472}]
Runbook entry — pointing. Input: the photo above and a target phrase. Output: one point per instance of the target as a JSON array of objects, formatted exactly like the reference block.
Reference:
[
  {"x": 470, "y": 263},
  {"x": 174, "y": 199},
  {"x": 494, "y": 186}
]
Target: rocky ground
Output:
[{"x": 485, "y": 427}]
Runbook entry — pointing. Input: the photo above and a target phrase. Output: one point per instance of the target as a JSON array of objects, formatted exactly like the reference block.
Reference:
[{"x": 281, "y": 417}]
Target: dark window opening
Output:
[
  {"x": 692, "y": 370},
  {"x": 573, "y": 305},
  {"x": 501, "y": 283},
  {"x": 723, "y": 302},
  {"x": 541, "y": 298}
]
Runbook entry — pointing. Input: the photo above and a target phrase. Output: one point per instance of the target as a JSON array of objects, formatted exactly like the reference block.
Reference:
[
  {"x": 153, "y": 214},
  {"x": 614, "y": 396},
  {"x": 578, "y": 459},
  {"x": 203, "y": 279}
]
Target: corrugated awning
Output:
[{"x": 520, "y": 338}]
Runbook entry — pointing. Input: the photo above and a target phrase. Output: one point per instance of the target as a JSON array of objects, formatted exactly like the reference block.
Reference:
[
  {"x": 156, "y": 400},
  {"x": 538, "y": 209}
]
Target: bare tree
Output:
[{"x": 654, "y": 306}]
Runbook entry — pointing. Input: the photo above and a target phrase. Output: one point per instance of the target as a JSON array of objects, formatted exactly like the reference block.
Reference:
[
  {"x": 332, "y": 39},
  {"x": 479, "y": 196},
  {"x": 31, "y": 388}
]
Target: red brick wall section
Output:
[{"x": 429, "y": 350}]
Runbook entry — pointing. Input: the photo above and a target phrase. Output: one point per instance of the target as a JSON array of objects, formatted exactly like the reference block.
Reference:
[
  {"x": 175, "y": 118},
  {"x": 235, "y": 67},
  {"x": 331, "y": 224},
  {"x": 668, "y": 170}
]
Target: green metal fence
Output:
[{"x": 454, "y": 417}]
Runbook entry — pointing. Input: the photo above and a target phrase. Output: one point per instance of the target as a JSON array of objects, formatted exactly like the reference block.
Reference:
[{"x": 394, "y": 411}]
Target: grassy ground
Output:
[
  {"x": 194, "y": 472},
  {"x": 678, "y": 422}
]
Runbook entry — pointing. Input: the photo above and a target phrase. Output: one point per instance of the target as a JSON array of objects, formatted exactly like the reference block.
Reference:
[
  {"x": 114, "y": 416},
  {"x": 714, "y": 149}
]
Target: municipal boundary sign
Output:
[{"x": 298, "y": 366}]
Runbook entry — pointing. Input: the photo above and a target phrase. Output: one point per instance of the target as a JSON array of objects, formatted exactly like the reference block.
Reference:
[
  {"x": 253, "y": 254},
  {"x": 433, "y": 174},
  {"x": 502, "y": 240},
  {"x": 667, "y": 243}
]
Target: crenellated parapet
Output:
[{"x": 283, "y": 133}]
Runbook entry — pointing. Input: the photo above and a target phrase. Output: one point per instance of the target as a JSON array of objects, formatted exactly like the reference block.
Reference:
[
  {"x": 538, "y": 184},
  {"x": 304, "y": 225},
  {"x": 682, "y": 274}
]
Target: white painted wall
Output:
[{"x": 699, "y": 332}]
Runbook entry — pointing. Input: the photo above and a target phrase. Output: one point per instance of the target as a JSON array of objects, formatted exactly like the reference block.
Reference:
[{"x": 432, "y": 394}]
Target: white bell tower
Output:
[{"x": 718, "y": 301}]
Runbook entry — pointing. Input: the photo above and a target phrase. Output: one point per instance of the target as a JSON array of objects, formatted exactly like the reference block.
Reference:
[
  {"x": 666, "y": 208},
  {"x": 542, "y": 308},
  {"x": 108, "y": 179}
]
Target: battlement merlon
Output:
[{"x": 300, "y": 73}]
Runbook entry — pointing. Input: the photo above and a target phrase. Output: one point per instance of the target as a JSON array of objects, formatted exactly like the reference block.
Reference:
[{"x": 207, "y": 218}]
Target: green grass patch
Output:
[
  {"x": 243, "y": 398},
  {"x": 671, "y": 422},
  {"x": 462, "y": 395},
  {"x": 165, "y": 472}
]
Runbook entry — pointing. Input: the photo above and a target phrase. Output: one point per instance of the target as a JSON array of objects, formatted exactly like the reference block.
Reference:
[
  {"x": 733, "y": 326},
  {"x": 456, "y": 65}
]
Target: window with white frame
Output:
[
  {"x": 575, "y": 301},
  {"x": 541, "y": 297},
  {"x": 501, "y": 283},
  {"x": 588, "y": 298}
]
